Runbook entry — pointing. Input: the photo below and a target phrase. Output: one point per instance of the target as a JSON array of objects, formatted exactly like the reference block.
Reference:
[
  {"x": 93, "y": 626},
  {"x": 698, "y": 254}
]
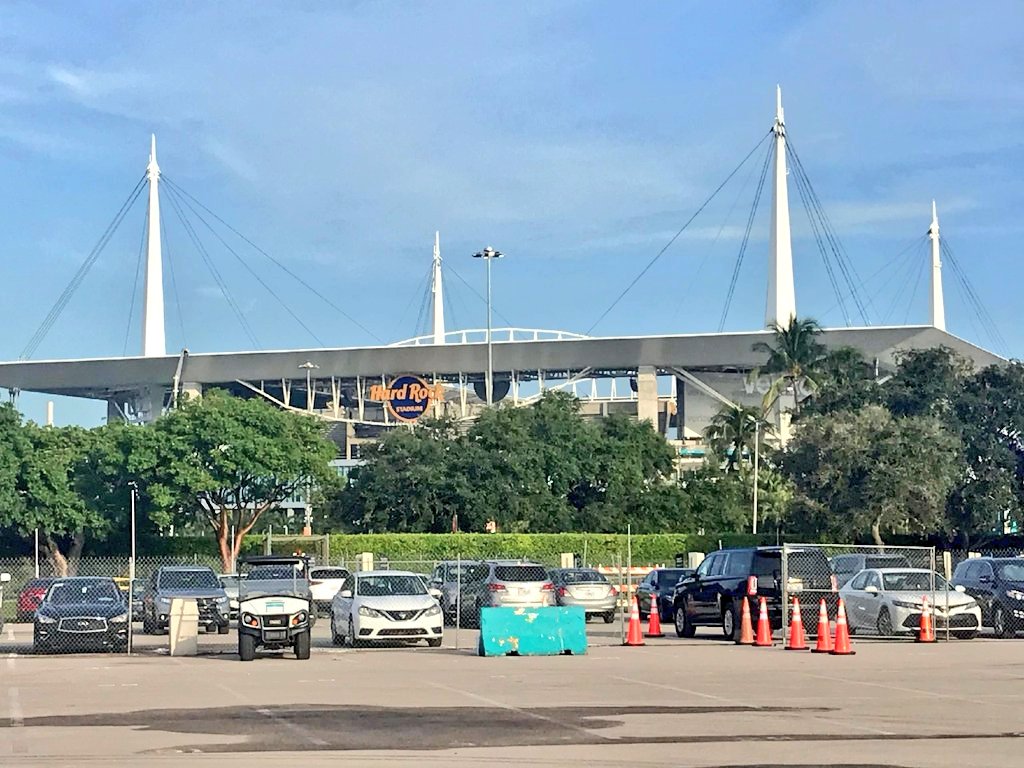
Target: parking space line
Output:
[
  {"x": 525, "y": 712},
  {"x": 16, "y": 731},
  {"x": 901, "y": 689},
  {"x": 298, "y": 730},
  {"x": 682, "y": 690}
]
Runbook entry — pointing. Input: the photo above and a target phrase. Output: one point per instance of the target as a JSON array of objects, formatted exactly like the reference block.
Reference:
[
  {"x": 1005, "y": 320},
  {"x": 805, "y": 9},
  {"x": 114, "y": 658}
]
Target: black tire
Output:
[
  {"x": 731, "y": 623},
  {"x": 608, "y": 617},
  {"x": 884, "y": 623},
  {"x": 147, "y": 625},
  {"x": 301, "y": 646},
  {"x": 353, "y": 641},
  {"x": 434, "y": 642},
  {"x": 335, "y": 637},
  {"x": 223, "y": 630},
  {"x": 965, "y": 635},
  {"x": 246, "y": 647},
  {"x": 1000, "y": 625},
  {"x": 684, "y": 627}
]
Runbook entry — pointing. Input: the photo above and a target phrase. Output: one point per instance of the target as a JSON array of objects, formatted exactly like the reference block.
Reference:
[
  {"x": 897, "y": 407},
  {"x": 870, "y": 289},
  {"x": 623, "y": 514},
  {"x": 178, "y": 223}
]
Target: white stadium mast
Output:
[
  {"x": 938, "y": 306},
  {"x": 780, "y": 307},
  {"x": 437, "y": 292},
  {"x": 154, "y": 342}
]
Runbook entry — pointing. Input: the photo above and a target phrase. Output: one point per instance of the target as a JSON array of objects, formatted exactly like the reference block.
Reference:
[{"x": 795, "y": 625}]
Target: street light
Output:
[
  {"x": 309, "y": 367},
  {"x": 134, "y": 489},
  {"x": 488, "y": 254}
]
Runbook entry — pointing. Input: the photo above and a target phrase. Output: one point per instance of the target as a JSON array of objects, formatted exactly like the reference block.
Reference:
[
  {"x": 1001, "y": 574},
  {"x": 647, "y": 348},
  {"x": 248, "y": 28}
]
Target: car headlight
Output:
[
  {"x": 434, "y": 610},
  {"x": 1015, "y": 594},
  {"x": 249, "y": 620},
  {"x": 223, "y": 600},
  {"x": 906, "y": 604},
  {"x": 42, "y": 618},
  {"x": 368, "y": 612},
  {"x": 298, "y": 618},
  {"x": 119, "y": 619}
]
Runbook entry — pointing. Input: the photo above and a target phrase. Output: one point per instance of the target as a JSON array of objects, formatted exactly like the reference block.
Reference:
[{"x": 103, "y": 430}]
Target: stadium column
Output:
[
  {"x": 680, "y": 408},
  {"x": 647, "y": 394}
]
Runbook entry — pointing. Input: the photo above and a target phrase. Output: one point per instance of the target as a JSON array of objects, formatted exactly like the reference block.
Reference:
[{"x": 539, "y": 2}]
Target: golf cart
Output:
[{"x": 275, "y": 606}]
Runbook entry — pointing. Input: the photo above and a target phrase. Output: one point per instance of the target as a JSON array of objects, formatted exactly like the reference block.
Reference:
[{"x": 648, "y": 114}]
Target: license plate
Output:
[{"x": 275, "y": 634}]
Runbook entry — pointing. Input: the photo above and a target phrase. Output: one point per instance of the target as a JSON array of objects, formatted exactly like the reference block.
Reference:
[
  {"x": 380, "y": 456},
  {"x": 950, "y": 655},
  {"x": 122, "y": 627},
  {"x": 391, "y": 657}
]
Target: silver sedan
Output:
[
  {"x": 889, "y": 601},
  {"x": 586, "y": 588}
]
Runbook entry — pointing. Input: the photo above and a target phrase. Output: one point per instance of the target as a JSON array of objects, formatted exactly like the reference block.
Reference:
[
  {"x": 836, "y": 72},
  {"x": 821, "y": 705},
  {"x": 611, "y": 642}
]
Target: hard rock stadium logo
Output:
[{"x": 407, "y": 397}]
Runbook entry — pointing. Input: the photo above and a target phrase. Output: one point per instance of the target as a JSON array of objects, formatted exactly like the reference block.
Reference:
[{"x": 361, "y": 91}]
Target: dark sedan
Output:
[
  {"x": 81, "y": 614},
  {"x": 661, "y": 582}
]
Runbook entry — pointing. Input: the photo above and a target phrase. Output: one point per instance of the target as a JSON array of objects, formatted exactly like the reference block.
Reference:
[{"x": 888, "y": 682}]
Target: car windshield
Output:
[
  {"x": 1011, "y": 571},
  {"x": 71, "y": 592},
  {"x": 671, "y": 576},
  {"x": 520, "y": 573},
  {"x": 274, "y": 573},
  {"x": 196, "y": 579},
  {"x": 912, "y": 581},
  {"x": 229, "y": 582},
  {"x": 579, "y": 577},
  {"x": 383, "y": 586}
]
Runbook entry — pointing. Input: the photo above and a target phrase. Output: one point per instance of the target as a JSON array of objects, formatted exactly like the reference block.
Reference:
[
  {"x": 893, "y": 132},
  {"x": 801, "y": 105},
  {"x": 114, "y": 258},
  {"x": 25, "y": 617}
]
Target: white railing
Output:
[{"x": 479, "y": 336}]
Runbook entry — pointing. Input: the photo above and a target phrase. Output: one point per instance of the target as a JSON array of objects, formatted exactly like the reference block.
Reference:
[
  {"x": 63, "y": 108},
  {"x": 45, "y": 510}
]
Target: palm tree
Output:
[
  {"x": 795, "y": 356},
  {"x": 732, "y": 431}
]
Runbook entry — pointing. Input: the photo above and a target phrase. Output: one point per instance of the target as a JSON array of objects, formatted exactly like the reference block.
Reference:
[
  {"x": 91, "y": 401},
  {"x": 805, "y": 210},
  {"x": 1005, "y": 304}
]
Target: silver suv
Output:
[{"x": 495, "y": 583}]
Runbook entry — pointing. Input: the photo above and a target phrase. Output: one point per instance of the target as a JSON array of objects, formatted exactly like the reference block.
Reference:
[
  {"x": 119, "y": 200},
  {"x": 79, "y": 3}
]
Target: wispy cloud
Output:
[{"x": 89, "y": 84}]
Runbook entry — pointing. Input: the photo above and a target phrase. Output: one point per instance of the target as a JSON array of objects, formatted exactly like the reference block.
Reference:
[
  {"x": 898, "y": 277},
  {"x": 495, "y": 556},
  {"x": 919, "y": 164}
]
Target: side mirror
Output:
[
  {"x": 959, "y": 588},
  {"x": 871, "y": 589},
  {"x": 346, "y": 593},
  {"x": 434, "y": 592},
  {"x": 5, "y": 577}
]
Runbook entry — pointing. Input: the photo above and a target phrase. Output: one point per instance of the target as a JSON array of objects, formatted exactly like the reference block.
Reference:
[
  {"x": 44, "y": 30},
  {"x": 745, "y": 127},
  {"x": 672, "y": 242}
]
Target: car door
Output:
[
  {"x": 698, "y": 598},
  {"x": 872, "y": 601},
  {"x": 643, "y": 593},
  {"x": 341, "y": 605},
  {"x": 856, "y": 601},
  {"x": 708, "y": 596},
  {"x": 985, "y": 582},
  {"x": 966, "y": 575}
]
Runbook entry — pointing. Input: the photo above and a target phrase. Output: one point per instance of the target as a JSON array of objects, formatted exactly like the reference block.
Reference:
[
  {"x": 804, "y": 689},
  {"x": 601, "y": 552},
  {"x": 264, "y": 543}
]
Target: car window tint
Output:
[
  {"x": 191, "y": 579},
  {"x": 738, "y": 564},
  {"x": 718, "y": 567},
  {"x": 1011, "y": 571},
  {"x": 873, "y": 580},
  {"x": 520, "y": 573},
  {"x": 767, "y": 563},
  {"x": 705, "y": 566},
  {"x": 859, "y": 581},
  {"x": 328, "y": 573},
  {"x": 580, "y": 577},
  {"x": 383, "y": 586}
]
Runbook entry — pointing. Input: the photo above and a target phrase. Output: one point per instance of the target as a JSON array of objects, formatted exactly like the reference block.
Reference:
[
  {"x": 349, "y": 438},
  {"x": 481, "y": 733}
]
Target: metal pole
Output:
[
  {"x": 458, "y": 597},
  {"x": 131, "y": 571},
  {"x": 37, "y": 553},
  {"x": 490, "y": 354},
  {"x": 757, "y": 439}
]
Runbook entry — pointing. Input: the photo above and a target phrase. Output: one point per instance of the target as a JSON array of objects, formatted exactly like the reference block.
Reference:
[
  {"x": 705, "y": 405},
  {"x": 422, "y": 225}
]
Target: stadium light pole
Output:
[
  {"x": 309, "y": 367},
  {"x": 488, "y": 254},
  {"x": 133, "y": 489}
]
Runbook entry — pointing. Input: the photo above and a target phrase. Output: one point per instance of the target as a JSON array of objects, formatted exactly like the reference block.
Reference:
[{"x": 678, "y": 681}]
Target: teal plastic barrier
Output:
[{"x": 532, "y": 631}]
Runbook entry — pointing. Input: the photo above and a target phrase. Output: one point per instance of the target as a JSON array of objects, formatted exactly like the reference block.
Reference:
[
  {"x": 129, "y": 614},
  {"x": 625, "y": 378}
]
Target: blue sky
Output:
[{"x": 576, "y": 137}]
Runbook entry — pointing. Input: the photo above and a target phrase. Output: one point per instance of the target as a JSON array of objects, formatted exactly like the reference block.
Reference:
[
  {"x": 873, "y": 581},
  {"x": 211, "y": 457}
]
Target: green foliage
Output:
[
  {"x": 732, "y": 433},
  {"x": 795, "y": 356}
]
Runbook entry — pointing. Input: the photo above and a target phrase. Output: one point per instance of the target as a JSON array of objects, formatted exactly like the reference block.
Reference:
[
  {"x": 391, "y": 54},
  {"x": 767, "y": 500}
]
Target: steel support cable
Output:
[
  {"x": 421, "y": 315},
  {"x": 975, "y": 301},
  {"x": 981, "y": 331},
  {"x": 746, "y": 236},
  {"x": 408, "y": 305},
  {"x": 479, "y": 295},
  {"x": 174, "y": 283},
  {"x": 901, "y": 278},
  {"x": 808, "y": 209},
  {"x": 135, "y": 284},
  {"x": 69, "y": 290},
  {"x": 913, "y": 293},
  {"x": 251, "y": 271},
  {"x": 221, "y": 285},
  {"x": 178, "y": 188},
  {"x": 676, "y": 236},
  {"x": 842, "y": 258},
  {"x": 896, "y": 263}
]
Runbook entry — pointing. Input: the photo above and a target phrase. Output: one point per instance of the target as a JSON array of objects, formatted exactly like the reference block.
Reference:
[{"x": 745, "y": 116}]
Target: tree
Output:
[
  {"x": 845, "y": 382},
  {"x": 927, "y": 382},
  {"x": 862, "y": 471},
  {"x": 795, "y": 355},
  {"x": 732, "y": 432},
  {"x": 228, "y": 460}
]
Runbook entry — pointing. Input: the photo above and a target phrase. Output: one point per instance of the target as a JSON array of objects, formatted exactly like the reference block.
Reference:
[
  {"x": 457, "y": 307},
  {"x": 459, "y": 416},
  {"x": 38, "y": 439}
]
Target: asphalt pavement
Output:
[{"x": 673, "y": 702}]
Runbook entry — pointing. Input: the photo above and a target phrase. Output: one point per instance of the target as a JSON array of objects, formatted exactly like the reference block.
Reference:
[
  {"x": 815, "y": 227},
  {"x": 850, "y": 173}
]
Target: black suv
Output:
[
  {"x": 997, "y": 583},
  {"x": 713, "y": 595}
]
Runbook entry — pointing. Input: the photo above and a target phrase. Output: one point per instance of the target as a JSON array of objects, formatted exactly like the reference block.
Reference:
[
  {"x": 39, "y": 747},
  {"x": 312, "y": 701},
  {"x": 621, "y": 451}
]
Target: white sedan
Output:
[
  {"x": 324, "y": 582},
  {"x": 889, "y": 601},
  {"x": 385, "y": 606}
]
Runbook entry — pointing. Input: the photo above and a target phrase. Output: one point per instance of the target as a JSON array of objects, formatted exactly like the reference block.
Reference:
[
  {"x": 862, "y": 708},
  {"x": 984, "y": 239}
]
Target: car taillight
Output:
[
  {"x": 496, "y": 587},
  {"x": 562, "y": 591},
  {"x": 614, "y": 591},
  {"x": 549, "y": 587},
  {"x": 835, "y": 583}
]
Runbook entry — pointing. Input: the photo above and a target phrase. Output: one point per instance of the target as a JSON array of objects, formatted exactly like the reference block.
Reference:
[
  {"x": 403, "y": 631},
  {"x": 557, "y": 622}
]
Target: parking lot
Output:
[{"x": 697, "y": 702}]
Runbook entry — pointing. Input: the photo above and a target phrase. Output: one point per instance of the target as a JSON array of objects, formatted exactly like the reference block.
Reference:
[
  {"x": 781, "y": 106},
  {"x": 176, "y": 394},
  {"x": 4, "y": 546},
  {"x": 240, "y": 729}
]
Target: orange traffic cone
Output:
[
  {"x": 824, "y": 644},
  {"x": 842, "y": 643},
  {"x": 654, "y": 619},
  {"x": 797, "y": 641},
  {"x": 764, "y": 628},
  {"x": 926, "y": 631},
  {"x": 746, "y": 626},
  {"x": 635, "y": 635}
]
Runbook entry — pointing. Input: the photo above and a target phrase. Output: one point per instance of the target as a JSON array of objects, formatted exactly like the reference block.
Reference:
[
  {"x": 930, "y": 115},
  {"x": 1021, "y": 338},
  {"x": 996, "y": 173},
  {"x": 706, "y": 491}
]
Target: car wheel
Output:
[
  {"x": 434, "y": 642},
  {"x": 147, "y": 625},
  {"x": 684, "y": 627},
  {"x": 223, "y": 630},
  {"x": 966, "y": 635},
  {"x": 353, "y": 641},
  {"x": 302, "y": 646},
  {"x": 884, "y": 623},
  {"x": 335, "y": 637},
  {"x": 608, "y": 617},
  {"x": 999, "y": 623},
  {"x": 246, "y": 647},
  {"x": 730, "y": 623}
]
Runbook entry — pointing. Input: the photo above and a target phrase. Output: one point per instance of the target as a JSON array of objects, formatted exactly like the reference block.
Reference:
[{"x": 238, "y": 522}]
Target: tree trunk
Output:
[
  {"x": 64, "y": 564},
  {"x": 876, "y": 534},
  {"x": 75, "y": 552},
  {"x": 56, "y": 558}
]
